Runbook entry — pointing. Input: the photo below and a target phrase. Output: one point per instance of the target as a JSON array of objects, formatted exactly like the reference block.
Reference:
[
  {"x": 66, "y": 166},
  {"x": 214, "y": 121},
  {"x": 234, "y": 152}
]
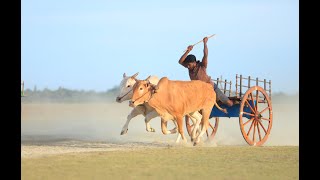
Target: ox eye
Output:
[
  {"x": 140, "y": 88},
  {"x": 128, "y": 86}
]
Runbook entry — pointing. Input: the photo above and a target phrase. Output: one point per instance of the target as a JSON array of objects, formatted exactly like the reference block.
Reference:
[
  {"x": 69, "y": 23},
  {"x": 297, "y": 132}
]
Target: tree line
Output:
[
  {"x": 67, "y": 95},
  {"x": 76, "y": 96}
]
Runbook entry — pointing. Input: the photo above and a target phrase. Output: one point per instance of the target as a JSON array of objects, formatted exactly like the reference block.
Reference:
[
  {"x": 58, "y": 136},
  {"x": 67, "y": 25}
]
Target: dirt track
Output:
[
  {"x": 83, "y": 141},
  {"x": 49, "y": 129},
  {"x": 33, "y": 151}
]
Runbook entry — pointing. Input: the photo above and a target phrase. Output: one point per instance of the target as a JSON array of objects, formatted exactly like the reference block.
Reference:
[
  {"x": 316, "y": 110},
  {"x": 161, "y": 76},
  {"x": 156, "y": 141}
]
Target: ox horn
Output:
[
  {"x": 134, "y": 76},
  {"x": 148, "y": 78},
  {"x": 124, "y": 75}
]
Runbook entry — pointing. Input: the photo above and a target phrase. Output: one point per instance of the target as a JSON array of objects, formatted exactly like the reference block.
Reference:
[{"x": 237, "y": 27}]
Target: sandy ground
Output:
[
  {"x": 48, "y": 129},
  {"x": 72, "y": 146}
]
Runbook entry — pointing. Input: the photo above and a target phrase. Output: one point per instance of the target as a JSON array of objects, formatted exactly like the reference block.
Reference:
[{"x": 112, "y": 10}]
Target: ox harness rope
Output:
[
  {"x": 126, "y": 94},
  {"x": 152, "y": 90}
]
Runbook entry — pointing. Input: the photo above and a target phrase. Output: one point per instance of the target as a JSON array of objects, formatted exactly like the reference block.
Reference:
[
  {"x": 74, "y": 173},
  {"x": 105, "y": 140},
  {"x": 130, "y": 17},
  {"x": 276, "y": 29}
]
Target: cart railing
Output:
[
  {"x": 245, "y": 83},
  {"x": 242, "y": 85},
  {"x": 226, "y": 86}
]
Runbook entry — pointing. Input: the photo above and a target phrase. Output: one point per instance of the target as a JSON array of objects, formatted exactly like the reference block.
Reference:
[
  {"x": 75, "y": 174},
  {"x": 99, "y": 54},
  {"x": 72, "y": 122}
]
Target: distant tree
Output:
[{"x": 114, "y": 90}]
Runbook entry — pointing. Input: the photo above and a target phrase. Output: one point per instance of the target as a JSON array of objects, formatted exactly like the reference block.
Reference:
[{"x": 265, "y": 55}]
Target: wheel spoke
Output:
[
  {"x": 250, "y": 106},
  {"x": 262, "y": 127},
  {"x": 252, "y": 100},
  {"x": 254, "y": 130},
  {"x": 248, "y": 121},
  {"x": 264, "y": 110},
  {"x": 187, "y": 121},
  {"x": 259, "y": 131},
  {"x": 267, "y": 119},
  {"x": 250, "y": 128},
  {"x": 248, "y": 114},
  {"x": 211, "y": 126}
]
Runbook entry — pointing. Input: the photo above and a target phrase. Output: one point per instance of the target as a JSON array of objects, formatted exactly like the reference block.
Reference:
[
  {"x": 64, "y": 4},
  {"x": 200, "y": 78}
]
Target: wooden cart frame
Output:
[{"x": 253, "y": 108}]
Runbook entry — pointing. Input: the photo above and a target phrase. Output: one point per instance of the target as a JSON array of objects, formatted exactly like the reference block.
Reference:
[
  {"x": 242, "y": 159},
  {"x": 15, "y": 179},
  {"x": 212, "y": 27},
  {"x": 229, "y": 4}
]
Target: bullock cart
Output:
[{"x": 252, "y": 105}]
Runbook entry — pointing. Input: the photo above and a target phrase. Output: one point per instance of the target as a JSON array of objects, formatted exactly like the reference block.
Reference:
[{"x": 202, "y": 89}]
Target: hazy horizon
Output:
[{"x": 116, "y": 86}]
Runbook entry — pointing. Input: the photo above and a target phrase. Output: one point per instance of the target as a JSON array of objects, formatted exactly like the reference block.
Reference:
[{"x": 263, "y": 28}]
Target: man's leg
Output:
[{"x": 222, "y": 97}]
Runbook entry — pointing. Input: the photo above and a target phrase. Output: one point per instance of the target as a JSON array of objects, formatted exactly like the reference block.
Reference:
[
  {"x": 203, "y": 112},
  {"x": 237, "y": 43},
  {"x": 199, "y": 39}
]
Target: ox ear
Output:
[
  {"x": 148, "y": 82},
  {"x": 124, "y": 75},
  {"x": 154, "y": 88}
]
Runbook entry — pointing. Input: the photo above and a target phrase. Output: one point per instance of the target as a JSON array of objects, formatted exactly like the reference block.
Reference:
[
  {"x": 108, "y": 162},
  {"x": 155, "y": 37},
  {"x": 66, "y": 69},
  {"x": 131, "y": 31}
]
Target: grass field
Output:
[{"x": 223, "y": 162}]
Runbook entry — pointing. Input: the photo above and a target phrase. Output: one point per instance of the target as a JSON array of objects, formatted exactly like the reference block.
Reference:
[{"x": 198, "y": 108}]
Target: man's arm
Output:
[
  {"x": 183, "y": 57},
  {"x": 205, "y": 52}
]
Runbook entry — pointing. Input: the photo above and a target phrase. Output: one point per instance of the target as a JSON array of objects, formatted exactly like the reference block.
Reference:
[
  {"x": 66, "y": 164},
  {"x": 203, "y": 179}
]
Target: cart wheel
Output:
[
  {"x": 212, "y": 129},
  {"x": 255, "y": 117}
]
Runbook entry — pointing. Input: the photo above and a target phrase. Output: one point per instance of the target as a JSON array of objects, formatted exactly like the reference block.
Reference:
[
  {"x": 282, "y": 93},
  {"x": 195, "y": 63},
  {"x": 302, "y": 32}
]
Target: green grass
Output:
[{"x": 228, "y": 162}]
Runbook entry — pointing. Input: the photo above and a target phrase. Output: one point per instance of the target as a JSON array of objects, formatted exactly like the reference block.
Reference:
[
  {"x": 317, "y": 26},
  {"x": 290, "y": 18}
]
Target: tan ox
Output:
[{"x": 175, "y": 99}]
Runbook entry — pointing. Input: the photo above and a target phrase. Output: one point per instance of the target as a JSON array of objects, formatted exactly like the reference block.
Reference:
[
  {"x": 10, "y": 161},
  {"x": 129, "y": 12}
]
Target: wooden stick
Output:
[
  {"x": 230, "y": 89},
  {"x": 200, "y": 41}
]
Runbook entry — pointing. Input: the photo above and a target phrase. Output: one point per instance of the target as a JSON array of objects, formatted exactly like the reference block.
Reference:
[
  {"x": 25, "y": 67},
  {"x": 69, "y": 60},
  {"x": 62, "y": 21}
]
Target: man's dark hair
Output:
[{"x": 190, "y": 58}]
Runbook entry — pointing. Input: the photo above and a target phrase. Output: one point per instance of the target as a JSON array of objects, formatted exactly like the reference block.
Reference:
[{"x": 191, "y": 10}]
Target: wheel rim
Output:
[
  {"x": 212, "y": 129},
  {"x": 255, "y": 119}
]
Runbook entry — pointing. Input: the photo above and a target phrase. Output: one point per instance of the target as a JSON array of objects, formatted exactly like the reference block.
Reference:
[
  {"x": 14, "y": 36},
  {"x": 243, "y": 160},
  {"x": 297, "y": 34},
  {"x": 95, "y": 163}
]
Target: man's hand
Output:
[
  {"x": 205, "y": 40},
  {"x": 183, "y": 57}
]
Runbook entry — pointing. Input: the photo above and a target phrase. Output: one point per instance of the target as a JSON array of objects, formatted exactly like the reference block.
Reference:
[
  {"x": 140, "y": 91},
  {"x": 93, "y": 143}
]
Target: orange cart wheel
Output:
[{"x": 255, "y": 123}]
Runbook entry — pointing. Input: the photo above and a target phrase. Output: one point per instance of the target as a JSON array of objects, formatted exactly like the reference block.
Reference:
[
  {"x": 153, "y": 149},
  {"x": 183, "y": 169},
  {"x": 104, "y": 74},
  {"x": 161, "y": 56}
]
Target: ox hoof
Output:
[
  {"x": 124, "y": 132},
  {"x": 151, "y": 130},
  {"x": 193, "y": 139},
  {"x": 196, "y": 142},
  {"x": 173, "y": 131}
]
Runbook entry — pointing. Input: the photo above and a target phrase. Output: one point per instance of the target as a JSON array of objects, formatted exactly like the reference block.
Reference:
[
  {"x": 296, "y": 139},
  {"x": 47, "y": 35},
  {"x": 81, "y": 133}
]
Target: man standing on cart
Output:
[{"x": 198, "y": 70}]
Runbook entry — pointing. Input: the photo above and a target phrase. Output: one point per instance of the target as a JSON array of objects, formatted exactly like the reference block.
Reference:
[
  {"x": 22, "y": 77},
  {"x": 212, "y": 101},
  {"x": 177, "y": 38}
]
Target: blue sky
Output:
[{"x": 82, "y": 44}]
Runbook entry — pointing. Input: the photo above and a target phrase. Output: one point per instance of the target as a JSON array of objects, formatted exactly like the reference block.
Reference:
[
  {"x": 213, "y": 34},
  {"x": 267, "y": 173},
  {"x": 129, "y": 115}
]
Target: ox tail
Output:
[{"x": 223, "y": 110}]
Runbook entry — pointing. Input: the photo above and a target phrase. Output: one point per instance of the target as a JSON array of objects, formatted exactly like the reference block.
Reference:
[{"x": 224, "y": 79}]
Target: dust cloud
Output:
[
  {"x": 49, "y": 122},
  {"x": 45, "y": 123}
]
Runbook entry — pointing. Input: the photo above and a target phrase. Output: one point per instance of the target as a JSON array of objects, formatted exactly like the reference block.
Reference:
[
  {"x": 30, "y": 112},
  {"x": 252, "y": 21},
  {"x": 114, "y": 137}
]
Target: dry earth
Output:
[{"x": 48, "y": 129}]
